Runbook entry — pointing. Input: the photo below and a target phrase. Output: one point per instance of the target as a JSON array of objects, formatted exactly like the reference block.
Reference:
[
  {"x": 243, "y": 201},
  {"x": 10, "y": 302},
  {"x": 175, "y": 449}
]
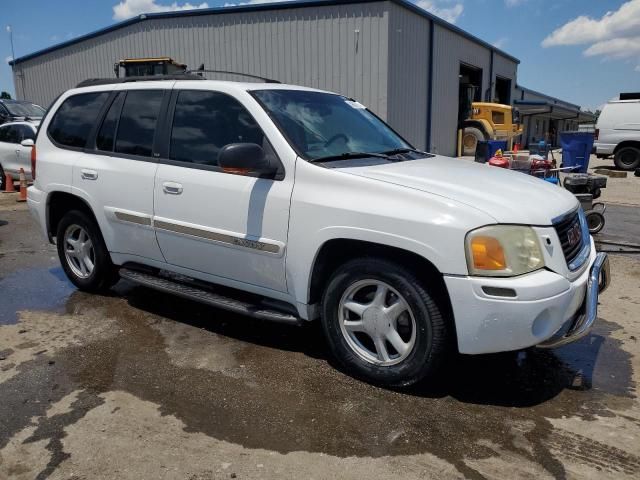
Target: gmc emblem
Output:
[{"x": 574, "y": 234}]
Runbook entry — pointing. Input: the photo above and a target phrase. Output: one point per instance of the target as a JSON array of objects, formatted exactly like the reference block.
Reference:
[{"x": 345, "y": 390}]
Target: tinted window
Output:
[
  {"x": 107, "y": 133},
  {"x": 138, "y": 122},
  {"x": 10, "y": 134},
  {"x": 204, "y": 122},
  {"x": 28, "y": 133},
  {"x": 72, "y": 122}
]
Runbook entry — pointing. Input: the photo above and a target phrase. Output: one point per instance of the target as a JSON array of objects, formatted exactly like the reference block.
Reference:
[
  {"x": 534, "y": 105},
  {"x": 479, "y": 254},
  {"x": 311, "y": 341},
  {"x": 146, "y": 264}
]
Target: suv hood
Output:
[{"x": 507, "y": 196}]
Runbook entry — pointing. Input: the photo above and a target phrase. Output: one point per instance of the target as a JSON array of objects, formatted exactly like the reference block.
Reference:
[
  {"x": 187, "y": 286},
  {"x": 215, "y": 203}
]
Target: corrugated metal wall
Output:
[
  {"x": 451, "y": 49},
  {"x": 341, "y": 48},
  {"x": 408, "y": 74}
]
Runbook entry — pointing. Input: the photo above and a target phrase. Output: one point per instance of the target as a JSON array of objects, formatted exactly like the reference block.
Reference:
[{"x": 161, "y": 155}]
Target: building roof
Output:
[
  {"x": 549, "y": 98},
  {"x": 255, "y": 8}
]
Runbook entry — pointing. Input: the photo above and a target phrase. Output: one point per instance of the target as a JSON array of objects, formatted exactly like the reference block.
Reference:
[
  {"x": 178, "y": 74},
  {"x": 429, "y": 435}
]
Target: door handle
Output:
[
  {"x": 18, "y": 152},
  {"x": 88, "y": 174},
  {"x": 172, "y": 188}
]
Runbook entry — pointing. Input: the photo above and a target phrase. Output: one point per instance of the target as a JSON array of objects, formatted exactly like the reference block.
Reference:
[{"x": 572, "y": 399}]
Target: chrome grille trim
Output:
[{"x": 575, "y": 255}]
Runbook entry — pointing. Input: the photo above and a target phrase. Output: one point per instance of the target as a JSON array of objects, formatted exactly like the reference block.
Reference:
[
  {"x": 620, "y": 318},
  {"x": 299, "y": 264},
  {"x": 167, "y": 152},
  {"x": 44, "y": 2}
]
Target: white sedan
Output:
[{"x": 14, "y": 155}]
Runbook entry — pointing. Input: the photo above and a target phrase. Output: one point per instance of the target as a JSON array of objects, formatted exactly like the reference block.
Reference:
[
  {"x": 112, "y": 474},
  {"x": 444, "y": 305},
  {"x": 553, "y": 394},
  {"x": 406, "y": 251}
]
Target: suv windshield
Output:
[
  {"x": 321, "y": 125},
  {"x": 24, "y": 109}
]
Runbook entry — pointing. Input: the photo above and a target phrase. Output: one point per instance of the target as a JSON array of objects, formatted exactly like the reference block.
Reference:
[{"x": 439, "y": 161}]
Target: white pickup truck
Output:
[{"x": 293, "y": 204}]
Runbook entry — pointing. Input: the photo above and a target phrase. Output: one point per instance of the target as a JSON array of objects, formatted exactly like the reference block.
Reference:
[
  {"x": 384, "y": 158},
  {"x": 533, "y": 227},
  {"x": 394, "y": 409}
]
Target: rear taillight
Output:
[
  {"x": 597, "y": 134},
  {"x": 33, "y": 162}
]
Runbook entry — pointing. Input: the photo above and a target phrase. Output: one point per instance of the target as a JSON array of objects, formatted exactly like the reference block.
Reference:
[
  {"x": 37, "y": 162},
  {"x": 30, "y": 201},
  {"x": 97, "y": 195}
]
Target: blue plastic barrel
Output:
[
  {"x": 495, "y": 145},
  {"x": 576, "y": 150}
]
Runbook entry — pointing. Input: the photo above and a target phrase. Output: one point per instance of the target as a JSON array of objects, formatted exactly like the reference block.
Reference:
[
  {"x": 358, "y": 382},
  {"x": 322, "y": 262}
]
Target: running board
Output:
[{"x": 194, "y": 292}]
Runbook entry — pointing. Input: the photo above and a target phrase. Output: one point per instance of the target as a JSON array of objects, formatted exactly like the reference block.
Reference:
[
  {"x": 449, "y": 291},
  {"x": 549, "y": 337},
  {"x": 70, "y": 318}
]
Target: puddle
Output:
[
  {"x": 33, "y": 289},
  {"x": 290, "y": 397}
]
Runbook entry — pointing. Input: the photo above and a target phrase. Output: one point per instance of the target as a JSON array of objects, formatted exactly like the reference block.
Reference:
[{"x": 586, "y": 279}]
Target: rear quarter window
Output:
[{"x": 72, "y": 122}]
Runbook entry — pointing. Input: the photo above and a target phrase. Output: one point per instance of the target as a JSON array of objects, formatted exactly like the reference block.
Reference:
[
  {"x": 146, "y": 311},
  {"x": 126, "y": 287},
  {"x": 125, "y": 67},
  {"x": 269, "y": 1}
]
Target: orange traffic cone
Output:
[
  {"x": 22, "y": 197},
  {"x": 8, "y": 188}
]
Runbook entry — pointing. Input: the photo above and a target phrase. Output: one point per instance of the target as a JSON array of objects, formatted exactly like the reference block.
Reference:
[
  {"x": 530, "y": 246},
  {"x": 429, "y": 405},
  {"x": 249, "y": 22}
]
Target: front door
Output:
[{"x": 207, "y": 220}]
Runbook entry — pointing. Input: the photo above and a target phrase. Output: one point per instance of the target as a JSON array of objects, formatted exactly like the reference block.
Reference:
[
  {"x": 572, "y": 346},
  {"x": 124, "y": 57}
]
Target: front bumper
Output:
[
  {"x": 546, "y": 308},
  {"x": 581, "y": 324}
]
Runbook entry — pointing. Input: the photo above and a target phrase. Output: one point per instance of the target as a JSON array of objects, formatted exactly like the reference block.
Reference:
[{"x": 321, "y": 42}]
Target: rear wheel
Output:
[
  {"x": 382, "y": 324},
  {"x": 627, "y": 158},
  {"x": 470, "y": 138},
  {"x": 83, "y": 254}
]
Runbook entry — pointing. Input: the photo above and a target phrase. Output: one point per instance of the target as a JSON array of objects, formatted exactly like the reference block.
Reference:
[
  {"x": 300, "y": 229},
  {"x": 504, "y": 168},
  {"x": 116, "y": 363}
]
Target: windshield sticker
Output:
[{"x": 355, "y": 104}]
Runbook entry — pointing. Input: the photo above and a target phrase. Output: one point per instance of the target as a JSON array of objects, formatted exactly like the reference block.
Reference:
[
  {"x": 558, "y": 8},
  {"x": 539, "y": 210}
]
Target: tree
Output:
[{"x": 5, "y": 96}]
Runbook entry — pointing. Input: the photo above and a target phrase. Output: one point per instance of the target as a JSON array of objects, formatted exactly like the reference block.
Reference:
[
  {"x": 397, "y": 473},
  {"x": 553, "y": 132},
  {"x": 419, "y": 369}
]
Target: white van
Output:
[{"x": 618, "y": 131}]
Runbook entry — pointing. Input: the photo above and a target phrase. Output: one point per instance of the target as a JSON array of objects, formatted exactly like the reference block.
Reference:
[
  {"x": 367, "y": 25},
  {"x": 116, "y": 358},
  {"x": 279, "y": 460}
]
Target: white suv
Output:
[{"x": 293, "y": 204}]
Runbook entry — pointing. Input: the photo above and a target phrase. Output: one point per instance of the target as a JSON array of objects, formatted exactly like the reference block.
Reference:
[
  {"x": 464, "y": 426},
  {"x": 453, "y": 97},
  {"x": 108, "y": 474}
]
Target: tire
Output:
[
  {"x": 103, "y": 275},
  {"x": 627, "y": 158},
  {"x": 470, "y": 138},
  {"x": 595, "y": 221},
  {"x": 424, "y": 328},
  {"x": 3, "y": 179}
]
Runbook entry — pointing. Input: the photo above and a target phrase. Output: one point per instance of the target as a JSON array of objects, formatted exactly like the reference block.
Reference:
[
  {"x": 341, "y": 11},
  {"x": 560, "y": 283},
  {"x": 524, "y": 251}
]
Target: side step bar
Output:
[{"x": 202, "y": 295}]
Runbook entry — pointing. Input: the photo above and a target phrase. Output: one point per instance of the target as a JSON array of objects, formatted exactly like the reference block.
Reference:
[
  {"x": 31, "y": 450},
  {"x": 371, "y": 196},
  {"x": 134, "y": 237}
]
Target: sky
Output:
[{"x": 582, "y": 51}]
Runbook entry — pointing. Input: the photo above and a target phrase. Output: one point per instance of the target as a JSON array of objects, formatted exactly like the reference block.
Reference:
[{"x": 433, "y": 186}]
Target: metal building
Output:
[
  {"x": 545, "y": 117},
  {"x": 407, "y": 65}
]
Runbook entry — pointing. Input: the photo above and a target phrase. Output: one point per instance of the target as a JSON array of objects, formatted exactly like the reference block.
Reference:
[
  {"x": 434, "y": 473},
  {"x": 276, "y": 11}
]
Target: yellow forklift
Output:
[{"x": 146, "y": 67}]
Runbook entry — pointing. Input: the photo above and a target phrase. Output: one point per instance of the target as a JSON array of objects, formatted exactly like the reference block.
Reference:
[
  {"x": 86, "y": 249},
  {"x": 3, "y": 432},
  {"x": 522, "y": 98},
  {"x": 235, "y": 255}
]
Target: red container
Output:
[{"x": 500, "y": 162}]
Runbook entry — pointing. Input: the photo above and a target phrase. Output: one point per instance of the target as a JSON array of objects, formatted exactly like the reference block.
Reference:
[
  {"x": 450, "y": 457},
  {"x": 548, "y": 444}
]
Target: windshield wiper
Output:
[
  {"x": 350, "y": 155},
  {"x": 406, "y": 150}
]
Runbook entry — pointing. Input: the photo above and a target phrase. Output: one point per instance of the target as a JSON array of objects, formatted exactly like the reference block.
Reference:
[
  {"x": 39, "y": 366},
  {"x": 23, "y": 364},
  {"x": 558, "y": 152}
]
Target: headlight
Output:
[{"x": 503, "y": 251}]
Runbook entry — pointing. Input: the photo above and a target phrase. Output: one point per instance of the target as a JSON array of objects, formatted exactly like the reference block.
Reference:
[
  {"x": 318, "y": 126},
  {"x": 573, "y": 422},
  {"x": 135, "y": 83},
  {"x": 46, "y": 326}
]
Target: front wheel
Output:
[
  {"x": 83, "y": 254},
  {"x": 382, "y": 324},
  {"x": 470, "y": 138}
]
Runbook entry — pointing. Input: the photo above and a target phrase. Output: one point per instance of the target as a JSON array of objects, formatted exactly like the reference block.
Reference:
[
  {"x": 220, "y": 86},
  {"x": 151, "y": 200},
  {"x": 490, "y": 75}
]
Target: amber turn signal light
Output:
[{"x": 488, "y": 254}]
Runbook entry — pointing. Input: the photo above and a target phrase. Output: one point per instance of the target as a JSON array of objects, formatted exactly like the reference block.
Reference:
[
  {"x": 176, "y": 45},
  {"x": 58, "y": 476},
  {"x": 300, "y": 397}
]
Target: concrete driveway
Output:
[{"x": 140, "y": 385}]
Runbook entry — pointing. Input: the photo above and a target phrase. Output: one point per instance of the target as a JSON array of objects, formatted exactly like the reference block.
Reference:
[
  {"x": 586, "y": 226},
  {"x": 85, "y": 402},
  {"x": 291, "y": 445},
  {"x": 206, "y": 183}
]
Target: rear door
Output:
[
  {"x": 211, "y": 221},
  {"x": 116, "y": 173},
  {"x": 10, "y": 137}
]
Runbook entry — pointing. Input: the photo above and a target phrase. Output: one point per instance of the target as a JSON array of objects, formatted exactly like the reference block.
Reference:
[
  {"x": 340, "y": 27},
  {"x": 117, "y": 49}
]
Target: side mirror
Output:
[
  {"x": 27, "y": 143},
  {"x": 245, "y": 158}
]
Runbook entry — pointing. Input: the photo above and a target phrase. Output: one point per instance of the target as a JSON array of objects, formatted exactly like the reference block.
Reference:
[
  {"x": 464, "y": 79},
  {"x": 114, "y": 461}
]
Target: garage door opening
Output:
[
  {"x": 470, "y": 90},
  {"x": 503, "y": 91}
]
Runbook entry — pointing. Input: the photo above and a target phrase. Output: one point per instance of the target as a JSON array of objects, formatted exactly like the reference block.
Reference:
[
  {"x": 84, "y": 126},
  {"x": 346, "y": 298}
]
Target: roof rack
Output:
[
  {"x": 202, "y": 70},
  {"x": 91, "y": 82}
]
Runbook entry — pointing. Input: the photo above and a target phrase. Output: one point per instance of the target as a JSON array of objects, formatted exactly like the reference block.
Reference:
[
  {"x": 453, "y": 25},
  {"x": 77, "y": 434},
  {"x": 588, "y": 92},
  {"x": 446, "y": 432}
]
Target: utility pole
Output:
[
  {"x": 13, "y": 58},
  {"x": 13, "y": 53}
]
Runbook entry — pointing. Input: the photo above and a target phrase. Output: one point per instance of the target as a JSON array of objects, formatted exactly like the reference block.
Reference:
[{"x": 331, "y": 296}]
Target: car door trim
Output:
[
  {"x": 226, "y": 238},
  {"x": 132, "y": 218}
]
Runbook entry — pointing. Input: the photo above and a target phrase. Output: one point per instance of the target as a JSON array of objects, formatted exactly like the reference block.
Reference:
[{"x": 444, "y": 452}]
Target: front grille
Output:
[{"x": 569, "y": 231}]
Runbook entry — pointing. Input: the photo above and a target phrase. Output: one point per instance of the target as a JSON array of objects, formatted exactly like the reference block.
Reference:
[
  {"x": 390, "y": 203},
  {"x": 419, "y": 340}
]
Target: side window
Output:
[
  {"x": 204, "y": 122},
  {"x": 107, "y": 134},
  {"x": 138, "y": 122},
  {"x": 13, "y": 134},
  {"x": 72, "y": 122},
  {"x": 4, "y": 132},
  {"x": 28, "y": 133}
]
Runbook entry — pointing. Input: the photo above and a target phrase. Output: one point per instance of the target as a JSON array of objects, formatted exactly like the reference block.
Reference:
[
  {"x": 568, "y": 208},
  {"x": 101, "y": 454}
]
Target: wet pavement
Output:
[{"x": 137, "y": 384}]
